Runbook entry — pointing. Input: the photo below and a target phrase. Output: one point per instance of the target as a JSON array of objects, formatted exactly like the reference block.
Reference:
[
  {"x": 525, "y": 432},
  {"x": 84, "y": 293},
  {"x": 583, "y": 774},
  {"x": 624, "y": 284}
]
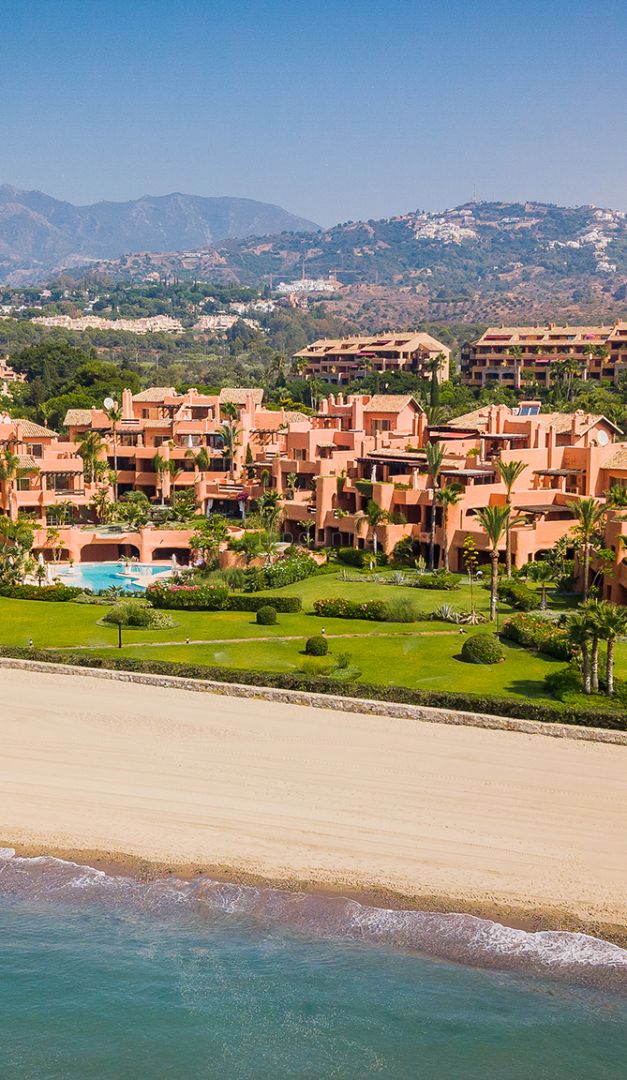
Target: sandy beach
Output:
[{"x": 515, "y": 826}]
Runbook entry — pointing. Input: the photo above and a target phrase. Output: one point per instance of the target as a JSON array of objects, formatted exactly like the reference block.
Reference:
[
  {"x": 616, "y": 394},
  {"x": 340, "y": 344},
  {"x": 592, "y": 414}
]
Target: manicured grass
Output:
[{"x": 423, "y": 654}]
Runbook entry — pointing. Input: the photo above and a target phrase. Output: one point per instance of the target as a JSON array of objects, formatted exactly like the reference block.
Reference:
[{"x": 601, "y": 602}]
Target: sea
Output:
[{"x": 104, "y": 977}]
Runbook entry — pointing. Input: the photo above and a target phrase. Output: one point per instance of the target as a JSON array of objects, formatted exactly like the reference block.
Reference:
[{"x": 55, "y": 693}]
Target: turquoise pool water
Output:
[
  {"x": 104, "y": 575},
  {"x": 105, "y": 978}
]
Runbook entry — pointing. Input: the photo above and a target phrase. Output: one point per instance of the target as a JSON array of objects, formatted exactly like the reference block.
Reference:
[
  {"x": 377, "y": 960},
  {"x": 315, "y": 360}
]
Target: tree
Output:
[
  {"x": 230, "y": 440},
  {"x": 494, "y": 521},
  {"x": 470, "y": 556},
  {"x": 591, "y": 612},
  {"x": 375, "y": 516},
  {"x": 516, "y": 354},
  {"x": 91, "y": 446},
  {"x": 114, "y": 415},
  {"x": 229, "y": 410},
  {"x": 578, "y": 628},
  {"x": 16, "y": 542},
  {"x": 435, "y": 366},
  {"x": 589, "y": 514},
  {"x": 612, "y": 624},
  {"x": 543, "y": 573},
  {"x": 509, "y": 471},
  {"x": 448, "y": 496},
  {"x": 435, "y": 458},
  {"x": 10, "y": 472}
]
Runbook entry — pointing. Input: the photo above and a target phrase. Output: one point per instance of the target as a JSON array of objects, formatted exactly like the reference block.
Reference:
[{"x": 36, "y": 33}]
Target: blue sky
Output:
[{"x": 336, "y": 111}]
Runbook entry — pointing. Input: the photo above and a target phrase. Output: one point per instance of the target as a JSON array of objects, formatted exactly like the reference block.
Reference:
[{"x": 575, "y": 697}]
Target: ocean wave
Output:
[{"x": 454, "y": 937}]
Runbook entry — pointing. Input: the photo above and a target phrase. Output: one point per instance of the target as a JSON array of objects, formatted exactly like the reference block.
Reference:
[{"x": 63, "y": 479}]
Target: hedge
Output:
[
  {"x": 440, "y": 699},
  {"x": 216, "y": 598},
  {"x": 351, "y": 556},
  {"x": 339, "y": 608},
  {"x": 284, "y": 572},
  {"x": 441, "y": 579},
  {"x": 536, "y": 632},
  {"x": 58, "y": 593},
  {"x": 517, "y": 594}
]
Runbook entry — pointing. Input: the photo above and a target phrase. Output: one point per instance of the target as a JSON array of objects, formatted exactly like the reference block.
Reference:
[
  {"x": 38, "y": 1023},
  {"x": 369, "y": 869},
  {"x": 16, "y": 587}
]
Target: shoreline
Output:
[
  {"x": 516, "y": 916},
  {"x": 154, "y": 782}
]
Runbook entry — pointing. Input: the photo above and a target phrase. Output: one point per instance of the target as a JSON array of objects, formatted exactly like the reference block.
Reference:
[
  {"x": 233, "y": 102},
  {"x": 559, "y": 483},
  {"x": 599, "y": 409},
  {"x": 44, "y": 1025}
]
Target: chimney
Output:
[{"x": 127, "y": 405}]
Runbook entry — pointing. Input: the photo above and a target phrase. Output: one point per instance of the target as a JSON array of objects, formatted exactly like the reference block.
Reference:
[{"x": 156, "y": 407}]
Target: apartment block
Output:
[
  {"x": 341, "y": 360},
  {"x": 513, "y": 355}
]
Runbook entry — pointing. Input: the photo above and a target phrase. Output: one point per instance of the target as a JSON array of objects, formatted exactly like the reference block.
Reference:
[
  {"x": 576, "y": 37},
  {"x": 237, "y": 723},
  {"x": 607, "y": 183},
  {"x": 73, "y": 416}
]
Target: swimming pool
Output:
[{"x": 105, "y": 575}]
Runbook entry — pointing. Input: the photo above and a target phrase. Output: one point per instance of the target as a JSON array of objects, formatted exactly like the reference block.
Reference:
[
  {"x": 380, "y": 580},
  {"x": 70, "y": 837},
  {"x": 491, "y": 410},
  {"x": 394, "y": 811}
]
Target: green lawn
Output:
[{"x": 421, "y": 654}]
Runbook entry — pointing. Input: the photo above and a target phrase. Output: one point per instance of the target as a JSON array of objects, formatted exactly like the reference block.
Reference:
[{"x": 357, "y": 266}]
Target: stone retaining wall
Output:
[{"x": 424, "y": 713}]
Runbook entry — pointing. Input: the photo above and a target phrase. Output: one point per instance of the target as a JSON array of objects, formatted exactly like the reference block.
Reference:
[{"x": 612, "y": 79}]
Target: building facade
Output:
[
  {"x": 341, "y": 360},
  {"x": 512, "y": 355}
]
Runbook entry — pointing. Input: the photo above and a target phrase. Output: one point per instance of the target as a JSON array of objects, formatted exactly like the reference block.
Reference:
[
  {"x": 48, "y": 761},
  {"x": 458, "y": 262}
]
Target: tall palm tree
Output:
[
  {"x": 115, "y": 415},
  {"x": 591, "y": 611},
  {"x": 509, "y": 471},
  {"x": 91, "y": 445},
  {"x": 10, "y": 472},
  {"x": 578, "y": 627},
  {"x": 448, "y": 496},
  {"x": 589, "y": 513},
  {"x": 516, "y": 354},
  {"x": 494, "y": 521},
  {"x": 612, "y": 624},
  {"x": 230, "y": 440},
  {"x": 229, "y": 410},
  {"x": 375, "y": 516},
  {"x": 435, "y": 459},
  {"x": 435, "y": 365}
]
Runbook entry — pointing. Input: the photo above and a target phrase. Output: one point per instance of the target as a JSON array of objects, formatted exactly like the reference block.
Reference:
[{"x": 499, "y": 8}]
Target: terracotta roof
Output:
[
  {"x": 618, "y": 461},
  {"x": 29, "y": 429},
  {"x": 237, "y": 394},
  {"x": 356, "y": 346},
  {"x": 390, "y": 403},
  {"x": 75, "y": 417},
  {"x": 26, "y": 461},
  {"x": 155, "y": 393}
]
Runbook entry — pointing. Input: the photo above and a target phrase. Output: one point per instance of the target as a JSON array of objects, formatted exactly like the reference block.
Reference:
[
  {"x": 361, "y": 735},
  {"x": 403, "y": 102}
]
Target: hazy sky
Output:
[{"x": 333, "y": 110}]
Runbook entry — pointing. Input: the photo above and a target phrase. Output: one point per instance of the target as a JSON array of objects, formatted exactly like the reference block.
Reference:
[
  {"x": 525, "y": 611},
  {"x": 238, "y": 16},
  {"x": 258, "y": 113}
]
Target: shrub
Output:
[
  {"x": 317, "y": 646},
  {"x": 482, "y": 649},
  {"x": 343, "y": 660},
  {"x": 517, "y": 594},
  {"x": 539, "y": 633},
  {"x": 128, "y": 613},
  {"x": 441, "y": 579},
  {"x": 216, "y": 598},
  {"x": 58, "y": 593},
  {"x": 317, "y": 666},
  {"x": 266, "y": 615},
  {"x": 401, "y": 609},
  {"x": 357, "y": 557},
  {"x": 564, "y": 682},
  {"x": 286, "y": 571},
  {"x": 339, "y": 608},
  {"x": 550, "y": 713},
  {"x": 446, "y": 613}
]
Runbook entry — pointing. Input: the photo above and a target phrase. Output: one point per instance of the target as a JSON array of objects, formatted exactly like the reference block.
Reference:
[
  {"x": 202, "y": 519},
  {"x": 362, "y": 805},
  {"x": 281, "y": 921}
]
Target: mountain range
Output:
[
  {"x": 39, "y": 234},
  {"x": 483, "y": 261}
]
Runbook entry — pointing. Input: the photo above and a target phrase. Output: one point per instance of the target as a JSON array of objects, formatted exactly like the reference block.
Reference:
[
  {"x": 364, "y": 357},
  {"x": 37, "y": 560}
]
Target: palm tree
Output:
[
  {"x": 10, "y": 472},
  {"x": 90, "y": 450},
  {"x": 435, "y": 458},
  {"x": 230, "y": 440},
  {"x": 291, "y": 483},
  {"x": 612, "y": 624},
  {"x": 494, "y": 521},
  {"x": 578, "y": 627},
  {"x": 159, "y": 464},
  {"x": 447, "y": 496},
  {"x": 375, "y": 517},
  {"x": 589, "y": 514},
  {"x": 229, "y": 410},
  {"x": 517, "y": 355},
  {"x": 16, "y": 542},
  {"x": 591, "y": 611},
  {"x": 509, "y": 471},
  {"x": 115, "y": 415},
  {"x": 543, "y": 572}
]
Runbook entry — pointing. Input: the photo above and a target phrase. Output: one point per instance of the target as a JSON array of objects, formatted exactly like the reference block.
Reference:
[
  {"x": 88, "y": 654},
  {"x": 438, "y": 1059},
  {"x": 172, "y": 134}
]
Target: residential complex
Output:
[
  {"x": 341, "y": 360},
  {"x": 511, "y": 355},
  {"x": 326, "y": 469}
]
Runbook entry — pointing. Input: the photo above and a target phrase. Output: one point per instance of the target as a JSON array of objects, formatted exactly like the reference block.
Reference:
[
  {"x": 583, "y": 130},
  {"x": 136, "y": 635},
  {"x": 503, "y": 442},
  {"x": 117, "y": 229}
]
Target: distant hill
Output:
[
  {"x": 481, "y": 261},
  {"x": 39, "y": 234}
]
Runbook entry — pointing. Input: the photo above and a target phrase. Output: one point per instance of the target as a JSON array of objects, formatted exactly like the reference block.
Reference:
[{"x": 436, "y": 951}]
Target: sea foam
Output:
[{"x": 454, "y": 937}]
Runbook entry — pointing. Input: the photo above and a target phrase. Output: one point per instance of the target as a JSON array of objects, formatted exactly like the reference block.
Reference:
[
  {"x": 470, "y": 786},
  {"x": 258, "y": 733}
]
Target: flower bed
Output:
[
  {"x": 215, "y": 598},
  {"x": 536, "y": 632}
]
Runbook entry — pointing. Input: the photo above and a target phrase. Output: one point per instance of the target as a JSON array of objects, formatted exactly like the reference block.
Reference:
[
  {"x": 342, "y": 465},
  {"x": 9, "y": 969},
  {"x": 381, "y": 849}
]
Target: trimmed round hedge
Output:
[
  {"x": 482, "y": 649},
  {"x": 266, "y": 615},
  {"x": 317, "y": 646}
]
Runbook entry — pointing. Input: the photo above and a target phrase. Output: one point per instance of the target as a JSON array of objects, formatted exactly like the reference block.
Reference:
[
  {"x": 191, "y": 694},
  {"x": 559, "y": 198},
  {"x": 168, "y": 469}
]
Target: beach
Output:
[{"x": 523, "y": 828}]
